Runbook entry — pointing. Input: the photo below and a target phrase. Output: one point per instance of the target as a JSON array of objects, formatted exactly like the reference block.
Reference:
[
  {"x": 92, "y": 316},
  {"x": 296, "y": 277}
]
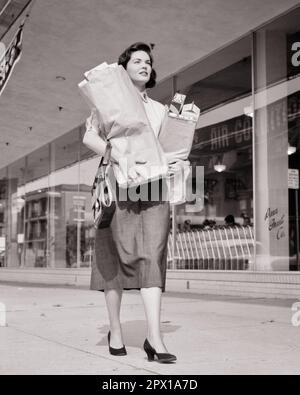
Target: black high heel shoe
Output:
[
  {"x": 161, "y": 357},
  {"x": 116, "y": 351}
]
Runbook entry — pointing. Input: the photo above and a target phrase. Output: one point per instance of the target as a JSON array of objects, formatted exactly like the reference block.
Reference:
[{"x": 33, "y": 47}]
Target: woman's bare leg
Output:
[
  {"x": 152, "y": 304},
  {"x": 113, "y": 298}
]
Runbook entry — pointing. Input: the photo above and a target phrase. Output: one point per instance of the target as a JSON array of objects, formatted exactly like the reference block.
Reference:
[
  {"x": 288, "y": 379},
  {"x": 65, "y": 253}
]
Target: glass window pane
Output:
[
  {"x": 163, "y": 91},
  {"x": 38, "y": 164},
  {"x": 15, "y": 221},
  {"x": 36, "y": 226},
  {"x": 65, "y": 150},
  {"x": 221, "y": 77},
  {"x": 64, "y": 248},
  {"x": 88, "y": 170}
]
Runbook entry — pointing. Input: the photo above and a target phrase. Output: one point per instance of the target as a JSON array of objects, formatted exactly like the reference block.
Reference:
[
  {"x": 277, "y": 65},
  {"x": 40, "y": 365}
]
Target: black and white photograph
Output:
[{"x": 149, "y": 190}]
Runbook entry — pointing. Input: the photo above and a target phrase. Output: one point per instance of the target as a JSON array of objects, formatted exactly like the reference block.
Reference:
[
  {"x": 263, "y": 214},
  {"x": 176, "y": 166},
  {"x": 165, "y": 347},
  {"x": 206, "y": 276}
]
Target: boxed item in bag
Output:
[{"x": 177, "y": 103}]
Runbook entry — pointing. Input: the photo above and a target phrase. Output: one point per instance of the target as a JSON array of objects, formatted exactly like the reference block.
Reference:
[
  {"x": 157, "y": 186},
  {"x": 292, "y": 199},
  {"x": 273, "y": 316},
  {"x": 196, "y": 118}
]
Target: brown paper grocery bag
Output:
[{"x": 124, "y": 121}]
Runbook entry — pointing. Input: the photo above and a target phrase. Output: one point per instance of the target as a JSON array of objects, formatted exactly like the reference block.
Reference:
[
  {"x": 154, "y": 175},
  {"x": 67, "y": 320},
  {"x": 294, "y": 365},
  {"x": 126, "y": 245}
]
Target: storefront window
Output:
[
  {"x": 163, "y": 92},
  {"x": 277, "y": 132},
  {"x": 216, "y": 232}
]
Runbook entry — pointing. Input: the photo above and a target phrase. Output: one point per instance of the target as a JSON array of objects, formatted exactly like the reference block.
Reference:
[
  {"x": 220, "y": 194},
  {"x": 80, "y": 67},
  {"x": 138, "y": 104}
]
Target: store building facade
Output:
[{"x": 247, "y": 140}]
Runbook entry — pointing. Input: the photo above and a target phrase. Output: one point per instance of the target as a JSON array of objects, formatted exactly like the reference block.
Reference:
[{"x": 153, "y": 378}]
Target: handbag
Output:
[{"x": 104, "y": 205}]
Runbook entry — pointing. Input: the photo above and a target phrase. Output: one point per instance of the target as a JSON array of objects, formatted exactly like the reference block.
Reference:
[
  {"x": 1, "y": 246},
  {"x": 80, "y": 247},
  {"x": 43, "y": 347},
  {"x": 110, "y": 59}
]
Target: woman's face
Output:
[{"x": 139, "y": 68}]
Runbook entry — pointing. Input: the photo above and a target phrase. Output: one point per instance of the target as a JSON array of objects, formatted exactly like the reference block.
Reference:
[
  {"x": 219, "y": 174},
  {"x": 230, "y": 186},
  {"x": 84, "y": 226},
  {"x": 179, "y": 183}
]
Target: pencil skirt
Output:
[{"x": 132, "y": 252}]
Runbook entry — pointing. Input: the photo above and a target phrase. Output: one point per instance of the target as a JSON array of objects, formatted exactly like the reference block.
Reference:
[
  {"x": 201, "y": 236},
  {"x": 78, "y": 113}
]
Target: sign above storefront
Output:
[
  {"x": 293, "y": 179},
  {"x": 224, "y": 136},
  {"x": 294, "y": 54},
  {"x": 10, "y": 57},
  {"x": 236, "y": 133}
]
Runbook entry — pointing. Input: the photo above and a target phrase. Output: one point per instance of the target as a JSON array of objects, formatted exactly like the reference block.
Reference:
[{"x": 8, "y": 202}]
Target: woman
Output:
[{"x": 132, "y": 253}]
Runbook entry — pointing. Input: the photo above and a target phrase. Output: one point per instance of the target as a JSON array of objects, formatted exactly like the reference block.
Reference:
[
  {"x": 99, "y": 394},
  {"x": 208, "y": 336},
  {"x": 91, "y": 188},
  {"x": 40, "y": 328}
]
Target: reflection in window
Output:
[{"x": 65, "y": 150}]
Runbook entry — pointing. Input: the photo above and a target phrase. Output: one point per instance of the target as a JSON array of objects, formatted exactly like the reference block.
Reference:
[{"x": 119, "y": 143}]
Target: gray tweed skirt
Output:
[{"x": 132, "y": 252}]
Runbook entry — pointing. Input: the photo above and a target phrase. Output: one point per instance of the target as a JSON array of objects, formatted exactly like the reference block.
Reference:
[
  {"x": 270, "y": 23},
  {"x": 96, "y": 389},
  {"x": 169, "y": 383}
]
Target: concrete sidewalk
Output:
[{"x": 64, "y": 331}]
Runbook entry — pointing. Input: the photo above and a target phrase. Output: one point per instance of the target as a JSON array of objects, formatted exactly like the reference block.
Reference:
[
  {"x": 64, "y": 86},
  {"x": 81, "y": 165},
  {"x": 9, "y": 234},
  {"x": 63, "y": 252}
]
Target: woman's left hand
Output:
[{"x": 179, "y": 165}]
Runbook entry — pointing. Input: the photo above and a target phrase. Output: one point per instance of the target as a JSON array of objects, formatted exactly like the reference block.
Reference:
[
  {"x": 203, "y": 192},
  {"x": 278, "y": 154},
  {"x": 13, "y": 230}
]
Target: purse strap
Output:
[
  {"x": 107, "y": 155},
  {"x": 104, "y": 162}
]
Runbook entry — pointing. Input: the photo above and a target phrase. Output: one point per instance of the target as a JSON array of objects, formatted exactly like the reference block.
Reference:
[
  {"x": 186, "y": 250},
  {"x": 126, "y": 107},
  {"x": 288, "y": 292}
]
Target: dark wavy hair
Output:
[{"x": 126, "y": 56}]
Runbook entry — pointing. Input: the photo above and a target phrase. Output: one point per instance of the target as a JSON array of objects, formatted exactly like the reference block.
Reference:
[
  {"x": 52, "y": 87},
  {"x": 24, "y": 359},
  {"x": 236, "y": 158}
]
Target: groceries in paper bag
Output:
[
  {"x": 177, "y": 133},
  {"x": 176, "y": 138},
  {"x": 123, "y": 120}
]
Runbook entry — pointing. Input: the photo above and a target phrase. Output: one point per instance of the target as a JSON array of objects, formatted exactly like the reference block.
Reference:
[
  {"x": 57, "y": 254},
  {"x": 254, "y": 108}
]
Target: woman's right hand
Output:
[
  {"x": 92, "y": 138},
  {"x": 132, "y": 168}
]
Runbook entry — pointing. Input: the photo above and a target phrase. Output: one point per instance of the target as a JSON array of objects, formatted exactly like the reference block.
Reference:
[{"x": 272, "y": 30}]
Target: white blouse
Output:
[{"x": 155, "y": 112}]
